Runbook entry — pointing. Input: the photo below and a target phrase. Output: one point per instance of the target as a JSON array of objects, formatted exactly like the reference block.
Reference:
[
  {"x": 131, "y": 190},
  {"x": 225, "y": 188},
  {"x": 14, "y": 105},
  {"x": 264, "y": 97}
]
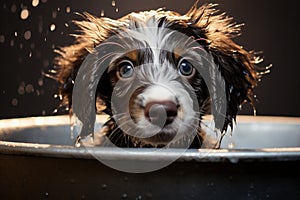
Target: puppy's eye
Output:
[
  {"x": 185, "y": 68},
  {"x": 126, "y": 69}
]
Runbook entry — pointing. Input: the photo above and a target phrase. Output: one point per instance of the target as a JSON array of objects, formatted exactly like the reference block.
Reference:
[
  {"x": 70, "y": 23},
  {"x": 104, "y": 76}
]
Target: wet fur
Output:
[{"x": 238, "y": 66}]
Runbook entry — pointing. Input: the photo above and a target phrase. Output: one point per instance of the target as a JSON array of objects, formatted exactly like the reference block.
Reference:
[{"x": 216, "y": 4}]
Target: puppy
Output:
[{"x": 161, "y": 72}]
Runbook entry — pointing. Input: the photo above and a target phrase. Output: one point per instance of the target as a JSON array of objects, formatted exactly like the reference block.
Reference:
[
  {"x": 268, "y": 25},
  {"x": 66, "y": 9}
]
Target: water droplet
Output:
[
  {"x": 102, "y": 13},
  {"x": 124, "y": 196},
  {"x": 117, "y": 9},
  {"x": 139, "y": 197},
  {"x": 54, "y": 14},
  {"x": 21, "y": 46},
  {"x": 68, "y": 9},
  {"x": 66, "y": 24},
  {"x": 113, "y": 3},
  {"x": 24, "y": 14},
  {"x": 27, "y": 35},
  {"x": 231, "y": 145},
  {"x": 12, "y": 43},
  {"x": 52, "y": 27},
  {"x": 29, "y": 88},
  {"x": 77, "y": 144},
  {"x": 231, "y": 88},
  {"x": 40, "y": 82},
  {"x": 30, "y": 54},
  {"x": 46, "y": 194},
  {"x": 43, "y": 112},
  {"x": 35, "y": 3},
  {"x": 58, "y": 96},
  {"x": 104, "y": 186},
  {"x": 14, "y": 101},
  {"x": 58, "y": 9},
  {"x": 21, "y": 89},
  {"x": 16, "y": 34},
  {"x": 13, "y": 8},
  {"x": 2, "y": 38}
]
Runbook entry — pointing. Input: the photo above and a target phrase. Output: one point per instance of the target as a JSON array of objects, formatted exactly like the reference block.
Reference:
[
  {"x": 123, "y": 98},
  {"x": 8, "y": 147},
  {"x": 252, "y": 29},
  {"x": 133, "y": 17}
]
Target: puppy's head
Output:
[{"x": 161, "y": 70}]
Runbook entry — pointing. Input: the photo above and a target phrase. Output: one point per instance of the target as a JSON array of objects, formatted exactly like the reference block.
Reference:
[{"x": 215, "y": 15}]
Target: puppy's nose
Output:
[{"x": 161, "y": 113}]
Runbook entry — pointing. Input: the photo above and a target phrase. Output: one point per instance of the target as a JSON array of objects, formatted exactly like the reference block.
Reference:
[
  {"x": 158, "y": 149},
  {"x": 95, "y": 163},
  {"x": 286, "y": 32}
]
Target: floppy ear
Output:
[
  {"x": 237, "y": 66},
  {"x": 92, "y": 32},
  {"x": 240, "y": 75}
]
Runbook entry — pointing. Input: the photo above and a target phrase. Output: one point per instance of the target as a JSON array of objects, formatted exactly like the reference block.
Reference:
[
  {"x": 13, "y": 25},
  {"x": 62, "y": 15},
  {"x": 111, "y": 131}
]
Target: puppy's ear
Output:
[
  {"x": 237, "y": 66},
  {"x": 92, "y": 32},
  {"x": 239, "y": 71}
]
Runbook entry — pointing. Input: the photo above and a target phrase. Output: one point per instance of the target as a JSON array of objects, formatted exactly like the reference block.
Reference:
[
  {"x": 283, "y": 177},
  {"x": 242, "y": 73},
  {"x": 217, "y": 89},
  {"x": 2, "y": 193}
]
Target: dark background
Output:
[{"x": 270, "y": 26}]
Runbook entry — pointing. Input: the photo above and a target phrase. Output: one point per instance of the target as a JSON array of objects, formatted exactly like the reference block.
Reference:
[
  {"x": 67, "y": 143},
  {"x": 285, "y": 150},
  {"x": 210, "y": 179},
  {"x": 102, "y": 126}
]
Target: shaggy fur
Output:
[{"x": 210, "y": 29}]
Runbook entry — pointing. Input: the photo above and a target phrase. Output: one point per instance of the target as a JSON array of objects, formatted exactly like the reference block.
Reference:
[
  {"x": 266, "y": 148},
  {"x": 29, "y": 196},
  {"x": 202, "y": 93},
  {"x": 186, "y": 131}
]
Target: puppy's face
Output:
[{"x": 154, "y": 99}]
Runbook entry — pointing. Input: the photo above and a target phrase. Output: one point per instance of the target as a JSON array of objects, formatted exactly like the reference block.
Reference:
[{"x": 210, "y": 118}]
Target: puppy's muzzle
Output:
[{"x": 161, "y": 113}]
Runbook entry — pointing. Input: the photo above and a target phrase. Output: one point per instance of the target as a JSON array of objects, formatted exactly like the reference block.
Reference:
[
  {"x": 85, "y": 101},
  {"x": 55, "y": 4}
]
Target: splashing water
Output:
[
  {"x": 24, "y": 14},
  {"x": 33, "y": 36},
  {"x": 113, "y": 4},
  {"x": 102, "y": 13},
  {"x": 14, "y": 101},
  {"x": 68, "y": 9},
  {"x": 35, "y": 3},
  {"x": 27, "y": 35},
  {"x": 52, "y": 27}
]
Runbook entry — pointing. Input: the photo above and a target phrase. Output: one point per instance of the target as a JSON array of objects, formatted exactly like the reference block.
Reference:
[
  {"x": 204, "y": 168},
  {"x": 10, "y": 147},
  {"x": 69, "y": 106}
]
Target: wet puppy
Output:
[{"x": 160, "y": 73}]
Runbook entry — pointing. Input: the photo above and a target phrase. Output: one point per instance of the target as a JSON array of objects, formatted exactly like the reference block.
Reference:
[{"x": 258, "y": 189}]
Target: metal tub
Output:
[{"x": 260, "y": 161}]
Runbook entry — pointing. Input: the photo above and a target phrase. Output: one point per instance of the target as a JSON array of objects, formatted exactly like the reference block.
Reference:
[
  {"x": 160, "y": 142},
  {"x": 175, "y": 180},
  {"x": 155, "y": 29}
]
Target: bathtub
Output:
[{"x": 261, "y": 160}]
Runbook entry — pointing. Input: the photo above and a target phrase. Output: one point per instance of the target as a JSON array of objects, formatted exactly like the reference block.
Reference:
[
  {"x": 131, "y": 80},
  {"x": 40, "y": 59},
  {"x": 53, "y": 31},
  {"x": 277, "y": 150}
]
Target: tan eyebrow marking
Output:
[
  {"x": 177, "y": 54},
  {"x": 133, "y": 56}
]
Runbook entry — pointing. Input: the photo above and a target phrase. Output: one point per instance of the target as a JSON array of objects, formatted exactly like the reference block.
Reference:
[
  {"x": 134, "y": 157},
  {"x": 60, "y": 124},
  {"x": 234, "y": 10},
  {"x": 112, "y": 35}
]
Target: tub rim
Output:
[{"x": 137, "y": 154}]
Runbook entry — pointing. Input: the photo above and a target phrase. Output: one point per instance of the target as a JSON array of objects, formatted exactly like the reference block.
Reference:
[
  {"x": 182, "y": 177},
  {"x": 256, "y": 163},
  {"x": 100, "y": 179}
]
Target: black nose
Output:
[{"x": 161, "y": 113}]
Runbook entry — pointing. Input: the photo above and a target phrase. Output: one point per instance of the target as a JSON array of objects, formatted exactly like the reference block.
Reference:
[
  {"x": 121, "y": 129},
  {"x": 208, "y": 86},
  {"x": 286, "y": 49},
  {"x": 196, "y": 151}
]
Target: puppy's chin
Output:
[{"x": 162, "y": 138}]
